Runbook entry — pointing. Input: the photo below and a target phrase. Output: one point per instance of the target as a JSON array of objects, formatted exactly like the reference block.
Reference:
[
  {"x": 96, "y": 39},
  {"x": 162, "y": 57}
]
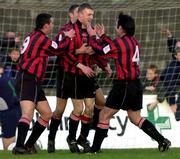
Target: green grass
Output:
[{"x": 106, "y": 154}]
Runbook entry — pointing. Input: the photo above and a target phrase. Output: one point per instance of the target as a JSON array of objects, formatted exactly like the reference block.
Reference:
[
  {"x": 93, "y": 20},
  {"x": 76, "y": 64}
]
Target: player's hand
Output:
[
  {"x": 166, "y": 31},
  {"x": 90, "y": 30},
  {"x": 97, "y": 70},
  {"x": 84, "y": 49},
  {"x": 17, "y": 39},
  {"x": 152, "y": 105},
  {"x": 89, "y": 50},
  {"x": 86, "y": 70},
  {"x": 173, "y": 108},
  {"x": 99, "y": 28},
  {"x": 108, "y": 70},
  {"x": 150, "y": 88},
  {"x": 70, "y": 33}
]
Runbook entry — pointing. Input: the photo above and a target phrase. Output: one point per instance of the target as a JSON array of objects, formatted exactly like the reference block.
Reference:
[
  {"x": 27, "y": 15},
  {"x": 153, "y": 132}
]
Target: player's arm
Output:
[
  {"x": 86, "y": 70},
  {"x": 59, "y": 47},
  {"x": 171, "y": 43},
  {"x": 103, "y": 63},
  {"x": 104, "y": 45}
]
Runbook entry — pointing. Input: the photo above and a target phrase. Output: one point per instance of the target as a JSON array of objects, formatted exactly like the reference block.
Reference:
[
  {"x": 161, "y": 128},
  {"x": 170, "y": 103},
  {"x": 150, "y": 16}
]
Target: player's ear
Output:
[
  {"x": 45, "y": 26},
  {"x": 118, "y": 29}
]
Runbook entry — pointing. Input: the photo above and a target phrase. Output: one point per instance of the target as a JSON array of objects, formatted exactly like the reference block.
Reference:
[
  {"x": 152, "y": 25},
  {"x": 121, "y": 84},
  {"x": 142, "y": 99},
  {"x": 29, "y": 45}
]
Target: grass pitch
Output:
[{"x": 173, "y": 153}]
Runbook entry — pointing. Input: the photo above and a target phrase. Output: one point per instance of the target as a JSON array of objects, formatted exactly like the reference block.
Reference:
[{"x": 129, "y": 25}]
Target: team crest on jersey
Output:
[
  {"x": 54, "y": 44},
  {"x": 60, "y": 37},
  {"x": 106, "y": 49}
]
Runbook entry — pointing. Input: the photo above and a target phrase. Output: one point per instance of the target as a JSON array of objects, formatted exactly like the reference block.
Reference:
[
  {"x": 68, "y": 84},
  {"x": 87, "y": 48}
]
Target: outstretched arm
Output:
[{"x": 171, "y": 41}]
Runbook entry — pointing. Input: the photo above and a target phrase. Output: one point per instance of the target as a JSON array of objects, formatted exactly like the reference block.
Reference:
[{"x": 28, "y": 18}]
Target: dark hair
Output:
[
  {"x": 153, "y": 67},
  {"x": 177, "y": 49},
  {"x": 127, "y": 23},
  {"x": 84, "y": 6},
  {"x": 73, "y": 7},
  {"x": 42, "y": 19},
  {"x": 2, "y": 65}
]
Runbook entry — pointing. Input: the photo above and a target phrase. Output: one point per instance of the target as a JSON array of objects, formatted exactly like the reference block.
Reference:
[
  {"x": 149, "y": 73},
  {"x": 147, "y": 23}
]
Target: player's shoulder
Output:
[
  {"x": 66, "y": 27},
  {"x": 35, "y": 33}
]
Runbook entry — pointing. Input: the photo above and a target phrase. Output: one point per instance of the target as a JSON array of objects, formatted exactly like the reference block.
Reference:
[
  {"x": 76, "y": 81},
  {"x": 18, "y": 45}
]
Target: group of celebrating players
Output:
[{"x": 78, "y": 47}]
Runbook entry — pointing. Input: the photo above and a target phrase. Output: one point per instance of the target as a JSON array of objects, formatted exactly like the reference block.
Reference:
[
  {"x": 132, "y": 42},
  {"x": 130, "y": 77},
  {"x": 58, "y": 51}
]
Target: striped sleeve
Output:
[{"x": 104, "y": 47}]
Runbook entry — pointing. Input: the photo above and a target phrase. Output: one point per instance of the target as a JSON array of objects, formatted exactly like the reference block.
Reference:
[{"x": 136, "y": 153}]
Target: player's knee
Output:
[
  {"x": 78, "y": 110},
  {"x": 89, "y": 111},
  {"x": 47, "y": 116},
  {"x": 134, "y": 120},
  {"x": 105, "y": 114},
  {"x": 131, "y": 120},
  {"x": 58, "y": 113}
]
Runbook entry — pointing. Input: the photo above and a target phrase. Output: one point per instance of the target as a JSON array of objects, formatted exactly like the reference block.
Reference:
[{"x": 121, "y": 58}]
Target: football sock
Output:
[
  {"x": 38, "y": 128},
  {"x": 150, "y": 130},
  {"x": 85, "y": 127},
  {"x": 73, "y": 125},
  {"x": 53, "y": 128},
  {"x": 95, "y": 119},
  {"x": 98, "y": 139},
  {"x": 22, "y": 133}
]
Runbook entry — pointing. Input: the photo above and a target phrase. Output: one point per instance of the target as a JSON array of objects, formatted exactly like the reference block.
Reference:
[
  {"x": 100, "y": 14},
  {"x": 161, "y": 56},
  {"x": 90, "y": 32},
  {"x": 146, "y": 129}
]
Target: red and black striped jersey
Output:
[
  {"x": 35, "y": 51},
  {"x": 125, "y": 51},
  {"x": 71, "y": 59},
  {"x": 61, "y": 38}
]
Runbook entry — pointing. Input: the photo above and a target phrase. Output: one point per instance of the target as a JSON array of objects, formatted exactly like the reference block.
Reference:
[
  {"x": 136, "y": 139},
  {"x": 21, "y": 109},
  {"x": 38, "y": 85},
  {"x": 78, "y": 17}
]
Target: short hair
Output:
[
  {"x": 2, "y": 65},
  {"x": 127, "y": 23},
  {"x": 153, "y": 67},
  {"x": 84, "y": 6},
  {"x": 177, "y": 49},
  {"x": 14, "y": 49},
  {"x": 73, "y": 7},
  {"x": 42, "y": 19}
]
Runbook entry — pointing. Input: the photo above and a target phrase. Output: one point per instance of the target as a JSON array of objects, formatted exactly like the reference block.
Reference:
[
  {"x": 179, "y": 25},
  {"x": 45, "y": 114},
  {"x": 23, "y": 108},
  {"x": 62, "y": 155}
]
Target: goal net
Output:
[
  {"x": 17, "y": 16},
  {"x": 152, "y": 18}
]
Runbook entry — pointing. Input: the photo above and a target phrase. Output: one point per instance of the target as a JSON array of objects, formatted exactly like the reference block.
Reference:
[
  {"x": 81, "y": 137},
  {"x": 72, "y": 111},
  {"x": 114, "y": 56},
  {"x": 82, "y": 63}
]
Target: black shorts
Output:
[
  {"x": 75, "y": 86},
  {"x": 60, "y": 88},
  {"x": 125, "y": 95},
  {"x": 96, "y": 85},
  {"x": 29, "y": 88},
  {"x": 86, "y": 86}
]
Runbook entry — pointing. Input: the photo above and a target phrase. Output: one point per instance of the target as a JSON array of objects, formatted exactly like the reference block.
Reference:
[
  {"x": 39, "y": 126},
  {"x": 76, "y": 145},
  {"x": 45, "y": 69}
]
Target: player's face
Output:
[
  {"x": 1, "y": 70},
  {"x": 178, "y": 44},
  {"x": 119, "y": 31},
  {"x": 50, "y": 26},
  {"x": 74, "y": 15},
  {"x": 15, "y": 54},
  {"x": 150, "y": 74},
  {"x": 178, "y": 56},
  {"x": 86, "y": 16}
]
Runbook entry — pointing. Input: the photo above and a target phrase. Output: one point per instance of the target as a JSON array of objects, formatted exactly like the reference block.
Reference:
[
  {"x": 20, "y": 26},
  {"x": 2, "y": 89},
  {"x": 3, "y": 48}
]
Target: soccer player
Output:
[
  {"x": 127, "y": 89},
  {"x": 32, "y": 67},
  {"x": 10, "y": 111},
  {"x": 61, "y": 95},
  {"x": 61, "y": 100},
  {"x": 79, "y": 79}
]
